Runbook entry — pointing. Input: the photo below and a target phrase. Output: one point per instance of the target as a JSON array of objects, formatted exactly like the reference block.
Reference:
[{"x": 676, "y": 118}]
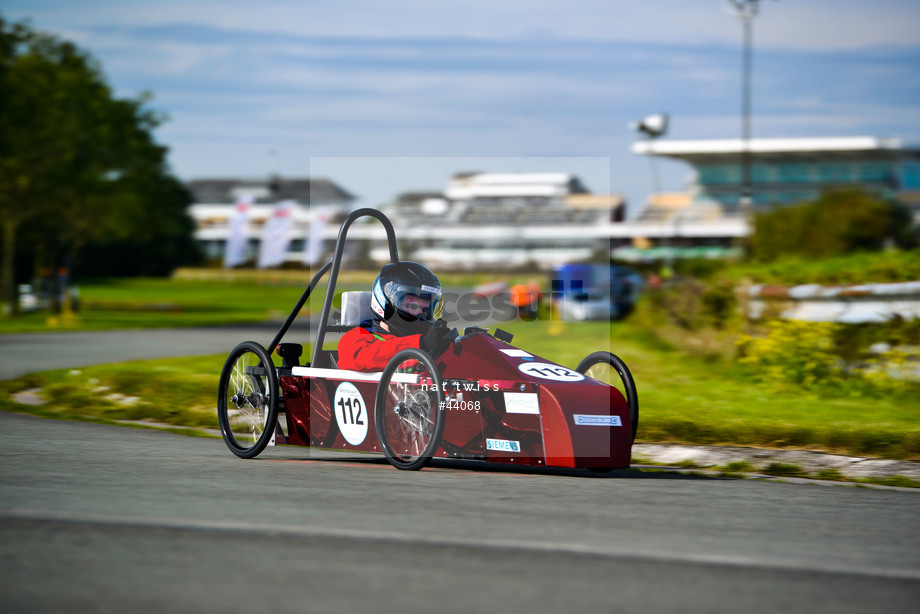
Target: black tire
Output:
[
  {"x": 628, "y": 387},
  {"x": 409, "y": 417},
  {"x": 247, "y": 400}
]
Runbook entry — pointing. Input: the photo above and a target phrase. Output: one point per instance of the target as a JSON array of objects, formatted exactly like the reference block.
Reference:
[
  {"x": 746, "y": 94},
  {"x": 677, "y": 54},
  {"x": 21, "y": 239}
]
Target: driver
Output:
[{"x": 406, "y": 298}]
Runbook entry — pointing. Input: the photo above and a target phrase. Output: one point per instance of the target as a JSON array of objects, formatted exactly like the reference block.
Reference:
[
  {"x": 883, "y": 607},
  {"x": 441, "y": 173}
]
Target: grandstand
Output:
[{"x": 485, "y": 220}]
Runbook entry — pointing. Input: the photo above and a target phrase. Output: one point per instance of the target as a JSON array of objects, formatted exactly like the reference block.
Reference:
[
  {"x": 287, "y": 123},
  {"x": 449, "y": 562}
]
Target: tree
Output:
[
  {"x": 162, "y": 239},
  {"x": 77, "y": 165},
  {"x": 18, "y": 160},
  {"x": 841, "y": 220}
]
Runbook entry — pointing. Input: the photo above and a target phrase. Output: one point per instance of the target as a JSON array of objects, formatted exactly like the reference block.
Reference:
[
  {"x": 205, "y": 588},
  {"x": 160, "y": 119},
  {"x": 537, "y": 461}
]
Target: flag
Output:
[
  {"x": 276, "y": 235},
  {"x": 235, "y": 254},
  {"x": 318, "y": 220}
]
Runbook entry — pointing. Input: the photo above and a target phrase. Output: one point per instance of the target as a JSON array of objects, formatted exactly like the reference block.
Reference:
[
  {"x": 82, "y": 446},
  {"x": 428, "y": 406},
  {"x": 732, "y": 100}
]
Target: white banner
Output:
[
  {"x": 235, "y": 254},
  {"x": 314, "y": 250},
  {"x": 276, "y": 235}
]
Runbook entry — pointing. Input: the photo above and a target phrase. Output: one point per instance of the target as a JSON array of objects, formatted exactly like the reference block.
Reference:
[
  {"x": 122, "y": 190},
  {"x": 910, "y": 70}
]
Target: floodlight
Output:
[{"x": 653, "y": 125}]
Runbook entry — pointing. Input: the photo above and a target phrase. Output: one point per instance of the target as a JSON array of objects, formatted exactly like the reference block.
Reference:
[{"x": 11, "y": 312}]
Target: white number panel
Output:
[{"x": 351, "y": 413}]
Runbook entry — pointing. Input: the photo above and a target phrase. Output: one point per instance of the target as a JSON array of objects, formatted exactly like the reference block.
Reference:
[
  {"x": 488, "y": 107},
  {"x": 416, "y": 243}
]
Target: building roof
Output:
[
  {"x": 269, "y": 190},
  {"x": 701, "y": 150},
  {"x": 465, "y": 186},
  {"x": 409, "y": 198}
]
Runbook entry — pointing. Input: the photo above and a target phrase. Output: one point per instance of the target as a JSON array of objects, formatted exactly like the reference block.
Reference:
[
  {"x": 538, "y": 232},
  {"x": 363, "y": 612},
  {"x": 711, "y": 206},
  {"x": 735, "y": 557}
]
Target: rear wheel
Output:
[
  {"x": 609, "y": 369},
  {"x": 408, "y": 413},
  {"x": 247, "y": 401}
]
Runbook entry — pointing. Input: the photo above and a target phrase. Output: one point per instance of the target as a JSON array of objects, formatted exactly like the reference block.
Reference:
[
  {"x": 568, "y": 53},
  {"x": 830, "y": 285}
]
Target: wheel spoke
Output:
[
  {"x": 409, "y": 421},
  {"x": 246, "y": 405},
  {"x": 603, "y": 373}
]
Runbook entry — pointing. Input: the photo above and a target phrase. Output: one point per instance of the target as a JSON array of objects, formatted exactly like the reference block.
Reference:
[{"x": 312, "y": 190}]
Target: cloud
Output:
[
  {"x": 514, "y": 77},
  {"x": 814, "y": 24}
]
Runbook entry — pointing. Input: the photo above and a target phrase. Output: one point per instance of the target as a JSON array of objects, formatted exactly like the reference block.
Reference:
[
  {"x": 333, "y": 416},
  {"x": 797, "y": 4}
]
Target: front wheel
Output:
[
  {"x": 611, "y": 370},
  {"x": 247, "y": 400},
  {"x": 408, "y": 412}
]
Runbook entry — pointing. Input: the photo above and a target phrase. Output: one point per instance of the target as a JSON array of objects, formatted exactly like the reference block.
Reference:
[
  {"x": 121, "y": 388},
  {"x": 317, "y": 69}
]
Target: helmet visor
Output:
[{"x": 415, "y": 303}]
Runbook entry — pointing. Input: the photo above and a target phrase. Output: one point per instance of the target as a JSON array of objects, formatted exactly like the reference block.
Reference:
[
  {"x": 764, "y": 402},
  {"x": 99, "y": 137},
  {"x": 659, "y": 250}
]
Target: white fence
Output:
[{"x": 846, "y": 304}]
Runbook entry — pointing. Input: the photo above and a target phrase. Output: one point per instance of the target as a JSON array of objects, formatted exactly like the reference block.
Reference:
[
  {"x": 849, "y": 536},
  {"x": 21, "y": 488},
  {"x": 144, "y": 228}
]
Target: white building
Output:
[{"x": 791, "y": 170}]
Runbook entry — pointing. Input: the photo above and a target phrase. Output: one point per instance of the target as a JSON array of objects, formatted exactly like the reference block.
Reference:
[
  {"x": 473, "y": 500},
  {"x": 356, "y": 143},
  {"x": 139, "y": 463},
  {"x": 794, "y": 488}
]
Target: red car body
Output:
[{"x": 501, "y": 405}]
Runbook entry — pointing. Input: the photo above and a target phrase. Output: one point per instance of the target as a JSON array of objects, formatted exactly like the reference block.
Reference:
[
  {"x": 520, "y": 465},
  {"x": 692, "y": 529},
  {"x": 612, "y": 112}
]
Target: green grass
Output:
[
  {"x": 899, "y": 481},
  {"x": 157, "y": 303},
  {"x": 857, "y": 268},
  {"x": 176, "y": 391},
  {"x": 686, "y": 401},
  {"x": 203, "y": 297}
]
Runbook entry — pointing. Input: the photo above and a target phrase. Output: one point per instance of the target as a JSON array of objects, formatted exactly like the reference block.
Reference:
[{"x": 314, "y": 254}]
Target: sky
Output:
[{"x": 389, "y": 96}]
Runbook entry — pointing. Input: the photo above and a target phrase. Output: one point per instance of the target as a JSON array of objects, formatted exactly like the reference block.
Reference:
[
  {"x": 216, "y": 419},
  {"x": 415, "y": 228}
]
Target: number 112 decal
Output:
[
  {"x": 546, "y": 370},
  {"x": 350, "y": 413}
]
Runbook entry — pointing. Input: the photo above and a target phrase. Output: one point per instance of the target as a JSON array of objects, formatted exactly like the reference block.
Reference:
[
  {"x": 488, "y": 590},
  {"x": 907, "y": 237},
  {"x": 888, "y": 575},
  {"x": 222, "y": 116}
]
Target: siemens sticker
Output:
[
  {"x": 503, "y": 445},
  {"x": 590, "y": 420}
]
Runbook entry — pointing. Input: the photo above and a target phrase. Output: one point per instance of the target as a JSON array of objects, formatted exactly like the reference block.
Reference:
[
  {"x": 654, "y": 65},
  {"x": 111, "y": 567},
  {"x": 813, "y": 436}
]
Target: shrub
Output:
[
  {"x": 793, "y": 354},
  {"x": 786, "y": 470},
  {"x": 691, "y": 304},
  {"x": 830, "y": 474},
  {"x": 720, "y": 304},
  {"x": 829, "y": 357},
  {"x": 741, "y": 466},
  {"x": 840, "y": 221}
]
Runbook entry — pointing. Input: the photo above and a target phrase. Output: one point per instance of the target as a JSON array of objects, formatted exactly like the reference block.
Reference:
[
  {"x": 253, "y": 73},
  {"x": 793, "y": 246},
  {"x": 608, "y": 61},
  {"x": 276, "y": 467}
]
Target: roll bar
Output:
[{"x": 334, "y": 264}]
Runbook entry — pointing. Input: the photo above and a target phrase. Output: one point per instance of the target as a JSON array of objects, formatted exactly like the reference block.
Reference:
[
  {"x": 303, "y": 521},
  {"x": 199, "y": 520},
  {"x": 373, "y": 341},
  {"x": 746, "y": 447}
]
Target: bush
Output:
[
  {"x": 793, "y": 354},
  {"x": 830, "y": 474},
  {"x": 840, "y": 221},
  {"x": 830, "y": 357},
  {"x": 785, "y": 470},
  {"x": 702, "y": 268},
  {"x": 691, "y": 304}
]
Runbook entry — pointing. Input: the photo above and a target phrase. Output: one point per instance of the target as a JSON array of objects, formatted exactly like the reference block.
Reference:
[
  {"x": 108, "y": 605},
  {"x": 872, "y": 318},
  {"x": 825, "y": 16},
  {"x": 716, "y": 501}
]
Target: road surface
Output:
[
  {"x": 30, "y": 352},
  {"x": 97, "y": 518}
]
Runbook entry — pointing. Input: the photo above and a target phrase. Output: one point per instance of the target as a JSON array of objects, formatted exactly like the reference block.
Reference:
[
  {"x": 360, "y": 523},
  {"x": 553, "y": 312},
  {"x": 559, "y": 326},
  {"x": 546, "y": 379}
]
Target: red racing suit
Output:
[{"x": 368, "y": 347}]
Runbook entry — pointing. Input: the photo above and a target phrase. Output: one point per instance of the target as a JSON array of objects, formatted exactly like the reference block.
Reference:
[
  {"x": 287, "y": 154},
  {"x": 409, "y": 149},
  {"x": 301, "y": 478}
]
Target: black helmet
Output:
[{"x": 406, "y": 295}]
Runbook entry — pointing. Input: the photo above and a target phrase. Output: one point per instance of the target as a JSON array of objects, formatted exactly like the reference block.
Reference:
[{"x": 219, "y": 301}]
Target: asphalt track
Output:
[
  {"x": 27, "y": 353},
  {"x": 97, "y": 518}
]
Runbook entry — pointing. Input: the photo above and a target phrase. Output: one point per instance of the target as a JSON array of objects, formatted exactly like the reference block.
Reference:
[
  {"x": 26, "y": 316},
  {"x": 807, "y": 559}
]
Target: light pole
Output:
[
  {"x": 653, "y": 127},
  {"x": 746, "y": 10}
]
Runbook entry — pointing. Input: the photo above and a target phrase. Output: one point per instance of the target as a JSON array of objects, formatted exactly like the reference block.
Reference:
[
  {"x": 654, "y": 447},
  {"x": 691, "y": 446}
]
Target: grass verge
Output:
[
  {"x": 159, "y": 303},
  {"x": 180, "y": 392},
  {"x": 741, "y": 470},
  {"x": 202, "y": 297}
]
